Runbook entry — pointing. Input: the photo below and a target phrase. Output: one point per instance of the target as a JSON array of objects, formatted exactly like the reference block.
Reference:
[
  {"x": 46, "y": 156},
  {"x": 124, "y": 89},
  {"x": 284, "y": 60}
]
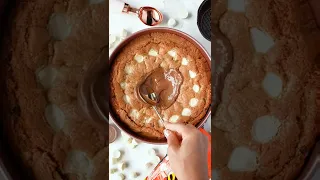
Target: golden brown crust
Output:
[{"x": 162, "y": 43}]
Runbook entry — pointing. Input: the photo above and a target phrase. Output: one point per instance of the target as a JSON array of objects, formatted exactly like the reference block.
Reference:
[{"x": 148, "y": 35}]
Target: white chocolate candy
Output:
[
  {"x": 173, "y": 53},
  {"x": 196, "y": 88},
  {"x": 172, "y": 22},
  {"x": 46, "y": 76},
  {"x": 58, "y": 26},
  {"x": 272, "y": 84},
  {"x": 139, "y": 58},
  {"x": 183, "y": 13},
  {"x": 153, "y": 52},
  {"x": 265, "y": 128},
  {"x": 115, "y": 161},
  {"x": 122, "y": 166},
  {"x": 126, "y": 99},
  {"x": 135, "y": 175},
  {"x": 112, "y": 38},
  {"x": 77, "y": 162},
  {"x": 116, "y": 154},
  {"x": 192, "y": 74},
  {"x": 128, "y": 70},
  {"x": 193, "y": 102},
  {"x": 123, "y": 85},
  {"x": 262, "y": 41},
  {"x": 121, "y": 176},
  {"x": 185, "y": 61},
  {"x": 124, "y": 33},
  {"x": 174, "y": 118},
  {"x": 134, "y": 113},
  {"x": 156, "y": 159},
  {"x": 236, "y": 5},
  {"x": 149, "y": 165},
  {"x": 126, "y": 136},
  {"x": 152, "y": 152},
  {"x": 133, "y": 144},
  {"x": 55, "y": 117},
  {"x": 242, "y": 159},
  {"x": 148, "y": 120},
  {"x": 186, "y": 112},
  {"x": 113, "y": 170}
]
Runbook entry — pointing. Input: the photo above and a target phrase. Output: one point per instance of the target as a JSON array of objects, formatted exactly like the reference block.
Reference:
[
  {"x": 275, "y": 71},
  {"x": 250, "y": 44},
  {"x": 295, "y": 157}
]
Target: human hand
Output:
[{"x": 187, "y": 151}]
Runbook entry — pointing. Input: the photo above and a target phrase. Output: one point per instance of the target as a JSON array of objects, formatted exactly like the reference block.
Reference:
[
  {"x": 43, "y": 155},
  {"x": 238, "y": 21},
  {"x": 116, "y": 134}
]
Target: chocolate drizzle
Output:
[{"x": 164, "y": 83}]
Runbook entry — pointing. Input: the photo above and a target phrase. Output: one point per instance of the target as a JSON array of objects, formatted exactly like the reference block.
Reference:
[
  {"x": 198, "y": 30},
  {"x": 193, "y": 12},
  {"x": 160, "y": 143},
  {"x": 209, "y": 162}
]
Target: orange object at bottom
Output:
[{"x": 163, "y": 170}]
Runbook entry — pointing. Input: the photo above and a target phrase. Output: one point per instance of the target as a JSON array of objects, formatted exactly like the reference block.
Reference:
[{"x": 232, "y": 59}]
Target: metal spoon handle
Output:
[{"x": 158, "y": 113}]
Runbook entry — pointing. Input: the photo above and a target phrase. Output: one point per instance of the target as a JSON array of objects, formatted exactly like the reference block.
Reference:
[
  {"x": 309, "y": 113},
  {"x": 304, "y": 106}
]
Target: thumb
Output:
[{"x": 172, "y": 139}]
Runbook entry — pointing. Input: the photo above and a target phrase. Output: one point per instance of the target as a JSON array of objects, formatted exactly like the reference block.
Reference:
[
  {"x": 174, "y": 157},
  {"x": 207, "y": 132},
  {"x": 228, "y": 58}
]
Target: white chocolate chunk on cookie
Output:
[
  {"x": 193, "y": 102},
  {"x": 185, "y": 61},
  {"x": 242, "y": 159},
  {"x": 262, "y": 41},
  {"x": 77, "y": 162},
  {"x": 58, "y": 26},
  {"x": 265, "y": 128},
  {"x": 128, "y": 70},
  {"x": 172, "y": 22},
  {"x": 236, "y": 5},
  {"x": 148, "y": 120},
  {"x": 186, "y": 112},
  {"x": 272, "y": 84},
  {"x": 123, "y": 85},
  {"x": 192, "y": 74},
  {"x": 134, "y": 113},
  {"x": 126, "y": 99},
  {"x": 139, "y": 58},
  {"x": 116, "y": 154},
  {"x": 47, "y": 76},
  {"x": 55, "y": 117},
  {"x": 196, "y": 88},
  {"x": 174, "y": 118},
  {"x": 173, "y": 54},
  {"x": 153, "y": 52}
]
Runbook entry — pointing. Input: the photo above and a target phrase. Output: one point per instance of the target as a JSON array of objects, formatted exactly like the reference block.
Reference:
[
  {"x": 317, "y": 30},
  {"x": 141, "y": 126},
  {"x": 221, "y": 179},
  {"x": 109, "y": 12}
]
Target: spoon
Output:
[{"x": 154, "y": 98}]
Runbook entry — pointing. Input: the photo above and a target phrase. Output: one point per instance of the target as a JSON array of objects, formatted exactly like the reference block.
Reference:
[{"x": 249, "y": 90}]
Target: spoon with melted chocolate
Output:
[{"x": 154, "y": 98}]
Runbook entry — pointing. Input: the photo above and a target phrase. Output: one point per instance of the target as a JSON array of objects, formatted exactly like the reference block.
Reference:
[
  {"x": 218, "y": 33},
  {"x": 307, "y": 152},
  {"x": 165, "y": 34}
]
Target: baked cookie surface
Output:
[
  {"x": 267, "y": 120},
  {"x": 145, "y": 54}
]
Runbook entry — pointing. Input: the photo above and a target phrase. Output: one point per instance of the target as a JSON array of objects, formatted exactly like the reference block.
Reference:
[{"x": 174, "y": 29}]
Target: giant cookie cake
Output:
[
  {"x": 267, "y": 120},
  {"x": 143, "y": 56}
]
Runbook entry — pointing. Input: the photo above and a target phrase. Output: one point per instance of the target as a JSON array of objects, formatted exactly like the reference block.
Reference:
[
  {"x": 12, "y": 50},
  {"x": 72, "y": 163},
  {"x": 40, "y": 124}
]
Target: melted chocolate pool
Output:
[{"x": 164, "y": 83}]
